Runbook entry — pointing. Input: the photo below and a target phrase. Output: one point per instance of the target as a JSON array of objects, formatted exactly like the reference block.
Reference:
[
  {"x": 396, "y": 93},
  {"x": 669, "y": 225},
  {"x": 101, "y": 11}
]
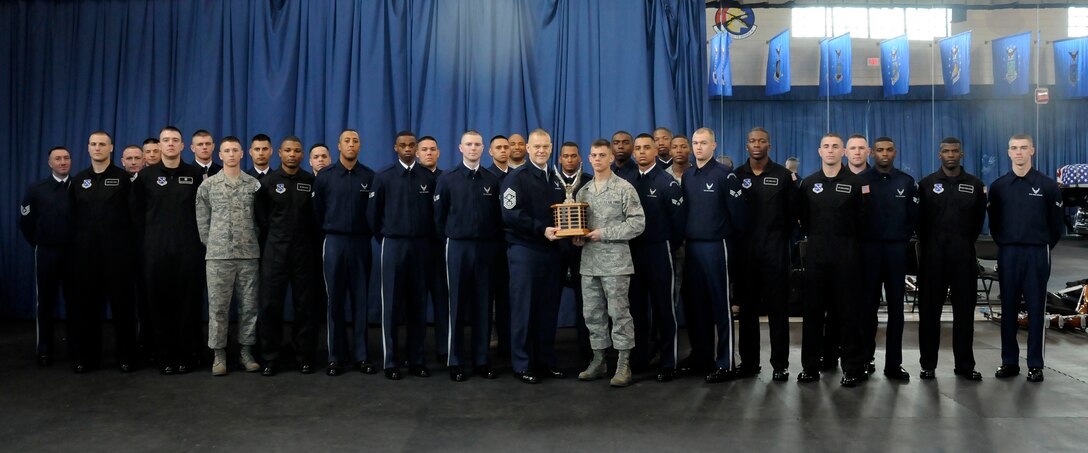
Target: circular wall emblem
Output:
[{"x": 739, "y": 21}]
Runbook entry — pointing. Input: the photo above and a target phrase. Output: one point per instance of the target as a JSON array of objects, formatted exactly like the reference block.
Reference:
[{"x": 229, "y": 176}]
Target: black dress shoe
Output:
[
  {"x": 554, "y": 373},
  {"x": 268, "y": 370},
  {"x": 333, "y": 369},
  {"x": 1035, "y": 375},
  {"x": 928, "y": 374},
  {"x": 44, "y": 360},
  {"x": 780, "y": 375},
  {"x": 970, "y": 375},
  {"x": 720, "y": 375},
  {"x": 808, "y": 376},
  {"x": 849, "y": 380},
  {"x": 419, "y": 371},
  {"x": 870, "y": 369},
  {"x": 828, "y": 363},
  {"x": 81, "y": 368},
  {"x": 1005, "y": 371},
  {"x": 457, "y": 374},
  {"x": 527, "y": 377},
  {"x": 666, "y": 374},
  {"x": 366, "y": 367},
  {"x": 393, "y": 374},
  {"x": 167, "y": 370},
  {"x": 306, "y": 368},
  {"x": 747, "y": 371},
  {"x": 486, "y": 372},
  {"x": 182, "y": 368},
  {"x": 126, "y": 368},
  {"x": 898, "y": 374}
]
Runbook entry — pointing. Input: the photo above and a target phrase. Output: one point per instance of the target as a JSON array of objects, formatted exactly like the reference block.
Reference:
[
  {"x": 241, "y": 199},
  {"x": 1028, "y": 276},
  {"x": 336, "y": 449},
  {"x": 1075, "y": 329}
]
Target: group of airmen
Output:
[{"x": 670, "y": 227}]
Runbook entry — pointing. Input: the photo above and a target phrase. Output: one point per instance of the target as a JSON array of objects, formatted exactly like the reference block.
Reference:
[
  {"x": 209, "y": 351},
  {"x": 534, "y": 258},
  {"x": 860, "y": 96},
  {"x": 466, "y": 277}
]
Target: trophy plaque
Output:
[{"x": 570, "y": 215}]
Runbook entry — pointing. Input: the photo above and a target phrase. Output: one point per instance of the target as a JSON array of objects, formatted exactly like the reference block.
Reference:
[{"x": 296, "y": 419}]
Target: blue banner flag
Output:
[
  {"x": 721, "y": 78},
  {"x": 895, "y": 65},
  {"x": 778, "y": 64},
  {"x": 1069, "y": 67},
  {"x": 835, "y": 66},
  {"x": 1011, "y": 57},
  {"x": 956, "y": 63}
]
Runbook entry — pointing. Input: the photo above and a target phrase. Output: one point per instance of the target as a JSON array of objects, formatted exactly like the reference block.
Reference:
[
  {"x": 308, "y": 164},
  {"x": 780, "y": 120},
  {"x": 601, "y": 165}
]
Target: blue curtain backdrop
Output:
[{"x": 312, "y": 68}]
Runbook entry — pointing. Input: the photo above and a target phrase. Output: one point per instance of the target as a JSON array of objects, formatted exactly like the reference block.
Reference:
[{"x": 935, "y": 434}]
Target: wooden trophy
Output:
[{"x": 570, "y": 215}]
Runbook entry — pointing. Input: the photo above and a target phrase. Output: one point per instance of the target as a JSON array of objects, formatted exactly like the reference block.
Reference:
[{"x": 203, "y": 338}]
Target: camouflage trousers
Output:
[
  {"x": 227, "y": 278},
  {"x": 604, "y": 298}
]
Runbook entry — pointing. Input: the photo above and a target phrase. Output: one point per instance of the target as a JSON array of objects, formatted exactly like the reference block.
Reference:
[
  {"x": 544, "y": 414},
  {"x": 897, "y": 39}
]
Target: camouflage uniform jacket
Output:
[
  {"x": 225, "y": 218},
  {"x": 617, "y": 212}
]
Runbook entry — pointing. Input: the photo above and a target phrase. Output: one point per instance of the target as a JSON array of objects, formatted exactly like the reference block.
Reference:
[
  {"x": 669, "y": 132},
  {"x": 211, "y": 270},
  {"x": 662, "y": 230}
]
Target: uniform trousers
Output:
[
  {"x": 346, "y": 261},
  {"x": 468, "y": 270},
  {"x": 604, "y": 298},
  {"x": 535, "y": 286},
  {"x": 1023, "y": 271},
  {"x": 228, "y": 278}
]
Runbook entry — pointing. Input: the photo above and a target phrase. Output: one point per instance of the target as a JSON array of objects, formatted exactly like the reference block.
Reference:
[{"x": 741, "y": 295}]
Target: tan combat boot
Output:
[
  {"x": 623, "y": 370},
  {"x": 248, "y": 361},
  {"x": 219, "y": 366},
  {"x": 597, "y": 367}
]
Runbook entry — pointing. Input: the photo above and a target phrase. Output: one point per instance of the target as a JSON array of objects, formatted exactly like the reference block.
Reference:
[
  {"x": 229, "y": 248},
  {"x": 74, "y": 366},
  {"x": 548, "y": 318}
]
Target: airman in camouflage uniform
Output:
[
  {"x": 225, "y": 219},
  {"x": 614, "y": 217}
]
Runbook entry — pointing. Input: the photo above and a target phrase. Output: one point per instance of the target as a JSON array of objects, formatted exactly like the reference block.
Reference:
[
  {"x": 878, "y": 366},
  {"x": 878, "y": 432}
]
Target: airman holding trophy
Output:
[{"x": 614, "y": 216}]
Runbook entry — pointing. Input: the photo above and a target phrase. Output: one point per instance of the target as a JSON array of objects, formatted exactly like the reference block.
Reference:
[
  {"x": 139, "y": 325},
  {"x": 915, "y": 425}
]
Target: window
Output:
[
  {"x": 927, "y": 23},
  {"x": 880, "y": 23},
  {"x": 850, "y": 20},
  {"x": 1078, "y": 22},
  {"x": 810, "y": 23},
  {"x": 886, "y": 23}
]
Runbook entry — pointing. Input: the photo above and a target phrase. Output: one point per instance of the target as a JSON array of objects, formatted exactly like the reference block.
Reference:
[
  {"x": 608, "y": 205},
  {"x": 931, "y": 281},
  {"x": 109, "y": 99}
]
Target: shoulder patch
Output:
[{"x": 509, "y": 198}]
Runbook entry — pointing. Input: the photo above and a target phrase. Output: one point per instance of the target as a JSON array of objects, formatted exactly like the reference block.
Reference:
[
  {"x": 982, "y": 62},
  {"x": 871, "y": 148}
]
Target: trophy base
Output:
[{"x": 572, "y": 232}]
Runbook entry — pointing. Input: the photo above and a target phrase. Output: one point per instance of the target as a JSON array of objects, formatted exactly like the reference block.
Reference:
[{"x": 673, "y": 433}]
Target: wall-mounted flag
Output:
[
  {"x": 721, "y": 78},
  {"x": 778, "y": 64},
  {"x": 956, "y": 63},
  {"x": 1070, "y": 67},
  {"x": 835, "y": 66},
  {"x": 1011, "y": 57},
  {"x": 895, "y": 65}
]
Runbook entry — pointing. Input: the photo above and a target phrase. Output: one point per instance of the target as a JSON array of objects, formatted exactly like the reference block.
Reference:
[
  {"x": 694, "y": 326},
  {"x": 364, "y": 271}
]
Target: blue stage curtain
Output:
[{"x": 312, "y": 68}]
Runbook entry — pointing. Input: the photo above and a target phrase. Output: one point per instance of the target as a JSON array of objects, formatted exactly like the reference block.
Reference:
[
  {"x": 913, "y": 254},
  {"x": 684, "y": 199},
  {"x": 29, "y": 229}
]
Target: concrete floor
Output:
[{"x": 51, "y": 409}]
